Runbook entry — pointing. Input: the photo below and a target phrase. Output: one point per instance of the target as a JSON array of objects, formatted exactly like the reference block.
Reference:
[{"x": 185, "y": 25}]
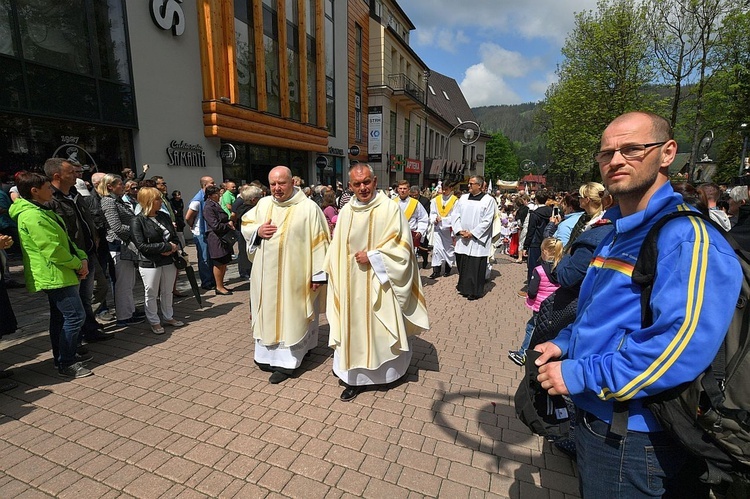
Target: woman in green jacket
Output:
[{"x": 53, "y": 264}]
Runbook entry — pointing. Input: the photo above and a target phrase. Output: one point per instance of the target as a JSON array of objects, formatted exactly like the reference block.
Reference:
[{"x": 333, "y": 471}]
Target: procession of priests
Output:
[{"x": 366, "y": 274}]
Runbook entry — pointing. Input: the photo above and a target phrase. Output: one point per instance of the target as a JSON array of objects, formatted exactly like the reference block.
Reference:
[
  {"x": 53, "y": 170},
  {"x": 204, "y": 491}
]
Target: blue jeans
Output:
[
  {"x": 529, "y": 333},
  {"x": 205, "y": 267},
  {"x": 66, "y": 316},
  {"x": 640, "y": 465}
]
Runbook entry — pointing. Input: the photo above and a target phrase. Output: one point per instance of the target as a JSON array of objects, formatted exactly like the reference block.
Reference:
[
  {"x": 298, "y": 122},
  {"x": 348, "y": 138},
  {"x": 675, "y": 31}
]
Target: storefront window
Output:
[
  {"x": 112, "y": 40},
  {"x": 292, "y": 50},
  {"x": 271, "y": 48},
  {"x": 312, "y": 74},
  {"x": 57, "y": 42},
  {"x": 55, "y": 34},
  {"x": 330, "y": 65},
  {"x": 26, "y": 142},
  {"x": 6, "y": 29},
  {"x": 245, "y": 49}
]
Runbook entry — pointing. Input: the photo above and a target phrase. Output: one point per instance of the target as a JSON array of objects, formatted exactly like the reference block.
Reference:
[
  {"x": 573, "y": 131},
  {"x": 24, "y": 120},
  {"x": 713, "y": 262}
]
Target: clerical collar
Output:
[{"x": 477, "y": 197}]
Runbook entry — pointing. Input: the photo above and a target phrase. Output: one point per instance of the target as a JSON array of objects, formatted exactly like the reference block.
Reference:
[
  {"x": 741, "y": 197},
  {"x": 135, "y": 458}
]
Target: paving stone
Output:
[{"x": 177, "y": 416}]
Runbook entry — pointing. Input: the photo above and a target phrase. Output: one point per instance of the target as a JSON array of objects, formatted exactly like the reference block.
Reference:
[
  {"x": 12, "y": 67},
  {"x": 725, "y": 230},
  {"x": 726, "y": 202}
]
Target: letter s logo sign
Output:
[{"x": 168, "y": 14}]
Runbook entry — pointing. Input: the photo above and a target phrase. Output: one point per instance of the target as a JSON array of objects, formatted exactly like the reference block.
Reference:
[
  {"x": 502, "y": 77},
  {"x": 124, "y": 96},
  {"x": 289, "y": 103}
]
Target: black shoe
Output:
[
  {"x": 130, "y": 321},
  {"x": 11, "y": 284},
  {"x": 209, "y": 288},
  {"x": 350, "y": 393},
  {"x": 139, "y": 315},
  {"x": 98, "y": 336},
  {"x": 220, "y": 293},
  {"x": 75, "y": 371},
  {"x": 82, "y": 350},
  {"x": 447, "y": 271},
  {"x": 6, "y": 374},
  {"x": 277, "y": 377},
  {"x": 7, "y": 384},
  {"x": 435, "y": 273}
]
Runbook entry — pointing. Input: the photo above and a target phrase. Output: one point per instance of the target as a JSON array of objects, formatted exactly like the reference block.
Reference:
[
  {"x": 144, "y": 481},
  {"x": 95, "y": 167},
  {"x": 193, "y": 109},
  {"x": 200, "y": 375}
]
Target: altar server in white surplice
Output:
[
  {"x": 375, "y": 299},
  {"x": 443, "y": 250},
  {"x": 287, "y": 238},
  {"x": 472, "y": 223}
]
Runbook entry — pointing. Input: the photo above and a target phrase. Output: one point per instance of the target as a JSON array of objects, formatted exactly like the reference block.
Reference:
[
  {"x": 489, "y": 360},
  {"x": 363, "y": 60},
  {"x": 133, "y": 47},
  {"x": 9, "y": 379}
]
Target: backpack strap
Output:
[{"x": 644, "y": 275}]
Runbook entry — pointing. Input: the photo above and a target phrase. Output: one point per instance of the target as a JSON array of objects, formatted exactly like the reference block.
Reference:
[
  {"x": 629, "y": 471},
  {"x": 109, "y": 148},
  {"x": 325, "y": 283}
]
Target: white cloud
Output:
[
  {"x": 505, "y": 62},
  {"x": 482, "y": 87},
  {"x": 448, "y": 40},
  {"x": 535, "y": 19}
]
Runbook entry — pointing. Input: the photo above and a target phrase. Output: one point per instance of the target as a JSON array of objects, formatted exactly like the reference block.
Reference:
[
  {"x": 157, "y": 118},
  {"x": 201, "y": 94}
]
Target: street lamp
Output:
[
  {"x": 744, "y": 130},
  {"x": 471, "y": 134}
]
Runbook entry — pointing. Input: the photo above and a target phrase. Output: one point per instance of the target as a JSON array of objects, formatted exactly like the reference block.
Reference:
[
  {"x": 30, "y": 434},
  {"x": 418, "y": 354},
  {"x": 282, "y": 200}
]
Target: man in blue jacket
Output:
[{"x": 606, "y": 355}]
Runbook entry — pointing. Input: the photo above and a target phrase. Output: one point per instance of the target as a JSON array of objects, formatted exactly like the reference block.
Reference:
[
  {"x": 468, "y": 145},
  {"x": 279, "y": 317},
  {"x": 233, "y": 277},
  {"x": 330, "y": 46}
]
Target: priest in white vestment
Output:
[
  {"x": 375, "y": 299},
  {"x": 472, "y": 224},
  {"x": 443, "y": 248},
  {"x": 287, "y": 239}
]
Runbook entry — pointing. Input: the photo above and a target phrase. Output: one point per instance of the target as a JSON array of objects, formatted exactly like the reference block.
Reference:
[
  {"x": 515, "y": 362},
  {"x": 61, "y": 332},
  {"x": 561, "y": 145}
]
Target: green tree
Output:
[
  {"x": 500, "y": 162},
  {"x": 728, "y": 92},
  {"x": 605, "y": 72}
]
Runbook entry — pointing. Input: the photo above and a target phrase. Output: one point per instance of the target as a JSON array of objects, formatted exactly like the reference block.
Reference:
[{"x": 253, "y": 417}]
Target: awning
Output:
[{"x": 436, "y": 167}]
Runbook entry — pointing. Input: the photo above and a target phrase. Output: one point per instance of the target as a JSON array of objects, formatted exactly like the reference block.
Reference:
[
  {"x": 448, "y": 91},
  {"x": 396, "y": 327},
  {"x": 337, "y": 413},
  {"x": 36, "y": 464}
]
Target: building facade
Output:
[{"x": 226, "y": 88}]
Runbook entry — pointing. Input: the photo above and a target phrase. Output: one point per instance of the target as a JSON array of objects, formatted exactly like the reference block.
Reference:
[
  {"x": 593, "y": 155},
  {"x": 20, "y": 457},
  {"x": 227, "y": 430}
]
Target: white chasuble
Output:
[
  {"x": 282, "y": 303},
  {"x": 372, "y": 309}
]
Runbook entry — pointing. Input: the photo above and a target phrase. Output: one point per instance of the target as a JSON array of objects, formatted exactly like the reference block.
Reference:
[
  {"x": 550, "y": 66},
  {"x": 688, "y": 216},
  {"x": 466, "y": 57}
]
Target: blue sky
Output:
[{"x": 499, "y": 51}]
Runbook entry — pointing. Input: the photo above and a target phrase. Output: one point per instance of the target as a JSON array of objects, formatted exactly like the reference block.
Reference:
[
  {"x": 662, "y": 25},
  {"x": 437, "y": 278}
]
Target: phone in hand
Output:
[{"x": 555, "y": 211}]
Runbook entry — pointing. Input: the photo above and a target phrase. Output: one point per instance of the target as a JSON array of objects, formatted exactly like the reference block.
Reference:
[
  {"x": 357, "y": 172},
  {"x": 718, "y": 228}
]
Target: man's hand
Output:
[
  {"x": 266, "y": 230},
  {"x": 550, "y": 373},
  {"x": 438, "y": 219},
  {"x": 361, "y": 257},
  {"x": 549, "y": 351},
  {"x": 84, "y": 270},
  {"x": 5, "y": 241},
  {"x": 466, "y": 234},
  {"x": 145, "y": 168},
  {"x": 551, "y": 379},
  {"x": 231, "y": 224}
]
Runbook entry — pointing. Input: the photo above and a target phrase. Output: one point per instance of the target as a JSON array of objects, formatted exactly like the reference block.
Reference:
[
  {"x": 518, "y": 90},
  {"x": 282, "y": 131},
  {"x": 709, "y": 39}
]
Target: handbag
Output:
[{"x": 228, "y": 238}]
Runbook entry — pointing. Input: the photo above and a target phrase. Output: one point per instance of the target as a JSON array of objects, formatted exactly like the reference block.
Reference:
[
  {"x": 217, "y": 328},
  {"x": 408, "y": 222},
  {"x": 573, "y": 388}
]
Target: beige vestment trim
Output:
[
  {"x": 369, "y": 321},
  {"x": 281, "y": 300}
]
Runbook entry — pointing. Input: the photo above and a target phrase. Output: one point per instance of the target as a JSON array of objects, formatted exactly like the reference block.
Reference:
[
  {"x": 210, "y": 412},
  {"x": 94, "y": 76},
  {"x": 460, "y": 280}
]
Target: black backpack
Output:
[
  {"x": 544, "y": 414},
  {"x": 709, "y": 416}
]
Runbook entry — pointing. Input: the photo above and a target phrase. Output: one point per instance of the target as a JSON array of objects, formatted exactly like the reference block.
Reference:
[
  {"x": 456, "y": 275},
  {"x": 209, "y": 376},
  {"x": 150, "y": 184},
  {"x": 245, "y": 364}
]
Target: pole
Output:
[{"x": 742, "y": 156}]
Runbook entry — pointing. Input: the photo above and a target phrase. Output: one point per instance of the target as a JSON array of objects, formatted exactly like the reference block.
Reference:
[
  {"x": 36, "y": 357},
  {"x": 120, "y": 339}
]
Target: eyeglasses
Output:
[{"x": 632, "y": 151}]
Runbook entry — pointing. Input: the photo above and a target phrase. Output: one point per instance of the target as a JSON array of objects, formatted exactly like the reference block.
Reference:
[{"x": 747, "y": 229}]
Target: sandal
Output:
[{"x": 157, "y": 329}]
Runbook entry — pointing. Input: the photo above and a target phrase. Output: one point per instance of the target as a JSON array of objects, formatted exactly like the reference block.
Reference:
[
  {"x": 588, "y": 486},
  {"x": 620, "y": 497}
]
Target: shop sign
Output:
[
  {"x": 335, "y": 151},
  {"x": 354, "y": 150},
  {"x": 228, "y": 153},
  {"x": 321, "y": 162},
  {"x": 375, "y": 131},
  {"x": 480, "y": 157},
  {"x": 413, "y": 166},
  {"x": 168, "y": 14},
  {"x": 184, "y": 154}
]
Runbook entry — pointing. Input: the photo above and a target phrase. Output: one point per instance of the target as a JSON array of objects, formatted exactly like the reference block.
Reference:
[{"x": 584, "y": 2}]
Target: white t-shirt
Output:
[{"x": 196, "y": 207}]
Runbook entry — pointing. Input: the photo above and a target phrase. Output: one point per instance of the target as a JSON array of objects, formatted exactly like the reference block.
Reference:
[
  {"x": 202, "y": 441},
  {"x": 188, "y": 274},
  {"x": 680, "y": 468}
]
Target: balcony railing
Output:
[{"x": 401, "y": 82}]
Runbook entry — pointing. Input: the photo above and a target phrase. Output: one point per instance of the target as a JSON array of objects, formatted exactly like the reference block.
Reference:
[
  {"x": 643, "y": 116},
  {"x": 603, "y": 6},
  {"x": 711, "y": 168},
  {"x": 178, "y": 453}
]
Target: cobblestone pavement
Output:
[{"x": 187, "y": 414}]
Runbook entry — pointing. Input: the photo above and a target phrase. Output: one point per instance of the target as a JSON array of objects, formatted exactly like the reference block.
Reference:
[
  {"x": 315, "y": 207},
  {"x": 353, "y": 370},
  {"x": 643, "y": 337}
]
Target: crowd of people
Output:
[{"x": 359, "y": 250}]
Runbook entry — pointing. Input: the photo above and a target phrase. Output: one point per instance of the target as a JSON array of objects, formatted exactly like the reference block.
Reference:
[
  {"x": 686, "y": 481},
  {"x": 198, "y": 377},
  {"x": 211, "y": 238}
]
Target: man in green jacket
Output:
[{"x": 53, "y": 264}]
